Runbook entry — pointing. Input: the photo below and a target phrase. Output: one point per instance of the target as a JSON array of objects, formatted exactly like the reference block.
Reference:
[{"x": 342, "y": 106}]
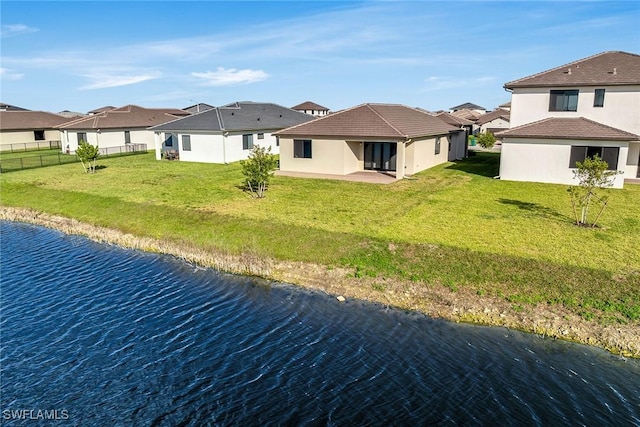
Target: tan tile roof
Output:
[
  {"x": 389, "y": 121},
  {"x": 102, "y": 109},
  {"x": 453, "y": 120},
  {"x": 467, "y": 114},
  {"x": 492, "y": 115},
  {"x": 28, "y": 120},
  {"x": 308, "y": 105},
  {"x": 568, "y": 128},
  {"x": 606, "y": 68},
  {"x": 129, "y": 116}
]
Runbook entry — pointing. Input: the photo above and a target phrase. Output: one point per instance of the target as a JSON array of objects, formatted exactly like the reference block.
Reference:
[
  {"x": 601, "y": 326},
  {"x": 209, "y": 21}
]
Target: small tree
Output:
[
  {"x": 592, "y": 175},
  {"x": 258, "y": 170},
  {"x": 486, "y": 140},
  {"x": 88, "y": 154}
]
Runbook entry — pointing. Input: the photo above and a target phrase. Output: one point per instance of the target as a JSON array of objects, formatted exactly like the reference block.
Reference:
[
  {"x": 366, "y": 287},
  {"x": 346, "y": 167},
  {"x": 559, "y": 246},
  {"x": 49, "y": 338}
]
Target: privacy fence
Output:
[{"x": 12, "y": 163}]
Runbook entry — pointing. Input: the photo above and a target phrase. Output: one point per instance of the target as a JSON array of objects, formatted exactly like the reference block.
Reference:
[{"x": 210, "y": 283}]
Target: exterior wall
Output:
[
  {"x": 498, "y": 123},
  {"x": 621, "y": 106},
  {"x": 108, "y": 138},
  {"x": 27, "y": 136},
  {"x": 548, "y": 161},
  {"x": 328, "y": 156},
  {"x": 420, "y": 154},
  {"x": 633, "y": 161},
  {"x": 216, "y": 148}
]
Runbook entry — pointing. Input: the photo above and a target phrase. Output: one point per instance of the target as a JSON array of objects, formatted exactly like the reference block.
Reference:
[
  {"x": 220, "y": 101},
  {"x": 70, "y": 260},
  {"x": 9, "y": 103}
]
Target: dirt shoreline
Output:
[{"x": 435, "y": 301}]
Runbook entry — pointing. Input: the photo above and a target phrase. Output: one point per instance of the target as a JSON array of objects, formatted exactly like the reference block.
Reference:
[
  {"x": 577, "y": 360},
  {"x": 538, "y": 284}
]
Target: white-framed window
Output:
[
  {"x": 437, "y": 146},
  {"x": 127, "y": 137},
  {"x": 82, "y": 136},
  {"x": 261, "y": 136},
  {"x": 186, "y": 142},
  {"x": 247, "y": 141}
]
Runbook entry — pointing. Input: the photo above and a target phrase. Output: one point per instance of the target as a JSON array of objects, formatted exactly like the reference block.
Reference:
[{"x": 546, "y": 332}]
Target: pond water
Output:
[{"x": 94, "y": 334}]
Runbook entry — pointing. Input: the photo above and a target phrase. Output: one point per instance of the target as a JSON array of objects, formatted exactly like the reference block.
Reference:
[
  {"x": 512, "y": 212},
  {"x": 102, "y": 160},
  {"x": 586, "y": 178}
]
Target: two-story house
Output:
[{"x": 564, "y": 115}]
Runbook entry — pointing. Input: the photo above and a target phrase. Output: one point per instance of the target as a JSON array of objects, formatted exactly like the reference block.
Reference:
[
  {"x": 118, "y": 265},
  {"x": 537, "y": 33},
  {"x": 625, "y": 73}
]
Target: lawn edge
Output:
[{"x": 435, "y": 301}]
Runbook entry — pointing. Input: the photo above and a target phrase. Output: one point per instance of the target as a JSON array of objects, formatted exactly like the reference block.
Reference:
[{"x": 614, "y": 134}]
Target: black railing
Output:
[
  {"x": 29, "y": 146},
  {"x": 30, "y": 162}
]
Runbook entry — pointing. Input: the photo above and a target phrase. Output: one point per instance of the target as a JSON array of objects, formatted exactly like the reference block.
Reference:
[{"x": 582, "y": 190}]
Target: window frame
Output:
[
  {"x": 247, "y": 141},
  {"x": 438, "y": 146},
  {"x": 85, "y": 139},
  {"x": 127, "y": 137},
  {"x": 598, "y": 98},
  {"x": 565, "y": 95},
  {"x": 39, "y": 135},
  {"x": 302, "y": 149},
  {"x": 186, "y": 142},
  {"x": 579, "y": 153},
  {"x": 261, "y": 136}
]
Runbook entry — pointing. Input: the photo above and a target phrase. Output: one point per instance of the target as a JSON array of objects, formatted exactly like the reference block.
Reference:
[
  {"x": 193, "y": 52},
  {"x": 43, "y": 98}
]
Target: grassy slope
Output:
[{"x": 452, "y": 225}]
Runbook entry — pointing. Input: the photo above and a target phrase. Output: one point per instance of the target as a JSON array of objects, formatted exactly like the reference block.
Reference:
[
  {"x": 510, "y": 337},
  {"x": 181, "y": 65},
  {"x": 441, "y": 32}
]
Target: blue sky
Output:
[{"x": 80, "y": 56}]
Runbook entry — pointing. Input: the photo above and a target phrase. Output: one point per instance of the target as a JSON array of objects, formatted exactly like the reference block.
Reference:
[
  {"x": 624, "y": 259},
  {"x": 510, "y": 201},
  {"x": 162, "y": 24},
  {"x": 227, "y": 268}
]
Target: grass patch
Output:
[{"x": 453, "y": 225}]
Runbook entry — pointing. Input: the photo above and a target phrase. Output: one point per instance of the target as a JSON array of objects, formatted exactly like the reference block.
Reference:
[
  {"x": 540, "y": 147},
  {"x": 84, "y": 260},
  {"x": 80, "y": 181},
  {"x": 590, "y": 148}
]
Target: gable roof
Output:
[
  {"x": 198, "y": 108},
  {"x": 467, "y": 114},
  {"x": 492, "y": 115},
  {"x": 30, "y": 120},
  {"x": 606, "y": 68},
  {"x": 129, "y": 116},
  {"x": 467, "y": 105},
  {"x": 453, "y": 120},
  {"x": 308, "y": 105},
  {"x": 392, "y": 121},
  {"x": 101, "y": 109},
  {"x": 238, "y": 116},
  {"x": 568, "y": 128}
]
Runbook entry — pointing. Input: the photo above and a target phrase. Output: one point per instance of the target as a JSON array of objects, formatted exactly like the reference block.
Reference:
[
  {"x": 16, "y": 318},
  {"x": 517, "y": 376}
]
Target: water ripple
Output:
[{"x": 120, "y": 337}]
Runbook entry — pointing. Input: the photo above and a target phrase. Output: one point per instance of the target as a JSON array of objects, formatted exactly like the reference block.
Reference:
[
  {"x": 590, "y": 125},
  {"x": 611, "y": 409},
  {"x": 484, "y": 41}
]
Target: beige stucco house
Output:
[
  {"x": 117, "y": 127},
  {"x": 379, "y": 137},
  {"x": 563, "y": 115},
  {"x": 29, "y": 129}
]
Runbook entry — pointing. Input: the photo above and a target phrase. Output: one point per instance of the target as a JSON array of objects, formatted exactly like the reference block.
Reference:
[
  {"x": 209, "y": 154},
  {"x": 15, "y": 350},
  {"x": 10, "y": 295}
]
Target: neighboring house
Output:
[
  {"x": 8, "y": 107},
  {"x": 225, "y": 134},
  {"x": 101, "y": 110},
  {"x": 311, "y": 108},
  {"x": 117, "y": 127},
  {"x": 29, "y": 129},
  {"x": 379, "y": 137},
  {"x": 198, "y": 108},
  {"x": 494, "y": 121},
  {"x": 505, "y": 106},
  {"x": 71, "y": 114},
  {"x": 460, "y": 146},
  {"x": 560, "y": 116},
  {"x": 469, "y": 106}
]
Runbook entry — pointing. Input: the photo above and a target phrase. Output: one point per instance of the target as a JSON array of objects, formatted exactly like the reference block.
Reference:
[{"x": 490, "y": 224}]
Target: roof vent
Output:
[
  {"x": 568, "y": 71},
  {"x": 258, "y": 118},
  {"x": 614, "y": 72}
]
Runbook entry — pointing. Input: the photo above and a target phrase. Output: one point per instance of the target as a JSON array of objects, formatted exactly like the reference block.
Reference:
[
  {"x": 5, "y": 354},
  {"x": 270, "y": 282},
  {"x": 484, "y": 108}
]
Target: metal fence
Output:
[
  {"x": 30, "y": 146},
  {"x": 19, "y": 163}
]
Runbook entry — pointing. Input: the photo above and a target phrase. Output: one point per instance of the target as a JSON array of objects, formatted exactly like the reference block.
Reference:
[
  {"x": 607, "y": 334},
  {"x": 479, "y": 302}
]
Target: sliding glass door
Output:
[{"x": 380, "y": 156}]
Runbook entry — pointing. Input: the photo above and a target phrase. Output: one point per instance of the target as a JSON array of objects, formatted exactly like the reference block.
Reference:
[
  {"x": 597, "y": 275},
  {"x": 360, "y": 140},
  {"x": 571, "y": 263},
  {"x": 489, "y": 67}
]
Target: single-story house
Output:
[
  {"x": 117, "y": 127},
  {"x": 563, "y": 115},
  {"x": 494, "y": 121},
  {"x": 225, "y": 134},
  {"x": 29, "y": 129},
  {"x": 380, "y": 137},
  {"x": 460, "y": 146}
]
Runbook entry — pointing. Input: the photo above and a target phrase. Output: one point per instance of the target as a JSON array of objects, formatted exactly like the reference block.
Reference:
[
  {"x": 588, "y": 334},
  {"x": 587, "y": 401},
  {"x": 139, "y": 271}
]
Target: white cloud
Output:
[
  {"x": 102, "y": 81},
  {"x": 231, "y": 76},
  {"x": 16, "y": 30},
  {"x": 7, "y": 74}
]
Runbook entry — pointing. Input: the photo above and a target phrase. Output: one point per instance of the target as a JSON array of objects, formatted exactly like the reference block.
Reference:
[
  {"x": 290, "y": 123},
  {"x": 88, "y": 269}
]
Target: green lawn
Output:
[{"x": 453, "y": 225}]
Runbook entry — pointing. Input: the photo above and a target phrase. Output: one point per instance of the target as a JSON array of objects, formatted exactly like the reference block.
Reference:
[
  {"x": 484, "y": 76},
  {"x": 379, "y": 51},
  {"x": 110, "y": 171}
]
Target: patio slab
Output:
[{"x": 371, "y": 177}]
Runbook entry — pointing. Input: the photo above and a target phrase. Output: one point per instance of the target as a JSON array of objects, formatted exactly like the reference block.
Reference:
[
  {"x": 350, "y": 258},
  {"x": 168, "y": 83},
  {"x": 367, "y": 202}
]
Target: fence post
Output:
[{"x": 21, "y": 164}]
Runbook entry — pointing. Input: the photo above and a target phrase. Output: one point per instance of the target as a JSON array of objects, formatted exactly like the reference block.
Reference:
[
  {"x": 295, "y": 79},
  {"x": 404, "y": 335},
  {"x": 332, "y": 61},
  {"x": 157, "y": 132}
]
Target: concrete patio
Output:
[{"x": 372, "y": 177}]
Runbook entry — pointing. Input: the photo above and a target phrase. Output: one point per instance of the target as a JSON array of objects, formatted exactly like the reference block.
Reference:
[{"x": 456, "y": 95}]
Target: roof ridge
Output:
[
  {"x": 563, "y": 66},
  {"x": 385, "y": 120}
]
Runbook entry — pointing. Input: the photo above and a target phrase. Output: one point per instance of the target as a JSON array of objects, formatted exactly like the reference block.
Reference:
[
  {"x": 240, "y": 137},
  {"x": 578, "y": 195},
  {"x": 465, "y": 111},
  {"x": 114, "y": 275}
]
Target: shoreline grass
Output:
[{"x": 453, "y": 228}]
